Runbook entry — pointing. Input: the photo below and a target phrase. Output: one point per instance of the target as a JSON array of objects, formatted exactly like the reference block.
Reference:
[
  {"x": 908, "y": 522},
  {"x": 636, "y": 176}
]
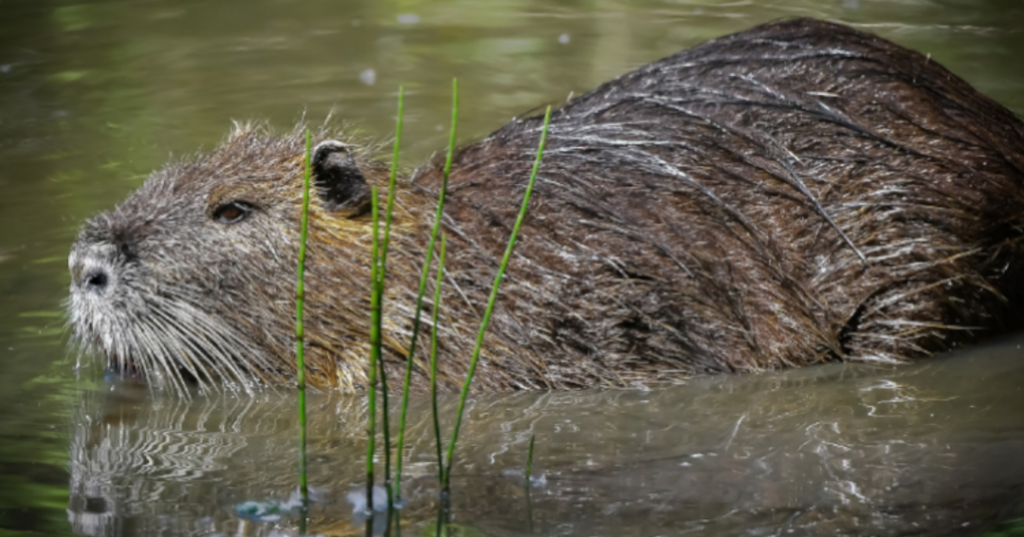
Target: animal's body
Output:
[{"x": 797, "y": 193}]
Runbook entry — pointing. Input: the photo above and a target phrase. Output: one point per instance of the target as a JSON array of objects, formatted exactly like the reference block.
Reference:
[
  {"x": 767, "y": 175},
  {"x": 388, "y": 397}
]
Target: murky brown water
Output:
[{"x": 93, "y": 96}]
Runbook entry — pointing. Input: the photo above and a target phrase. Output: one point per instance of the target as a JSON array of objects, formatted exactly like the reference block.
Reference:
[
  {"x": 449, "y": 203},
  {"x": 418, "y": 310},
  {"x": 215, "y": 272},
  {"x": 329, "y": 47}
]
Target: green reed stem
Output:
[
  {"x": 433, "y": 354},
  {"x": 371, "y": 420},
  {"x": 491, "y": 300},
  {"x": 300, "y": 294},
  {"x": 380, "y": 283},
  {"x": 385, "y": 427},
  {"x": 423, "y": 287},
  {"x": 529, "y": 460}
]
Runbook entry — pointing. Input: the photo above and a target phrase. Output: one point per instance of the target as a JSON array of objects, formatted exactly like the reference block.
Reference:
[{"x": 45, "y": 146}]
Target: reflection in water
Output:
[
  {"x": 130, "y": 463},
  {"x": 926, "y": 449}
]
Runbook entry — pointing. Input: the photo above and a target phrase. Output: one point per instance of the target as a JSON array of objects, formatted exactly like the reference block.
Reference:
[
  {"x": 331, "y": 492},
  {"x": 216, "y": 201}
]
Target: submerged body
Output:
[{"x": 796, "y": 193}]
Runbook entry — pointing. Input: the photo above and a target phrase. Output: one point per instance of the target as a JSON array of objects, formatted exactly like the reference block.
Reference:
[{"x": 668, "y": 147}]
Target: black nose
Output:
[{"x": 96, "y": 280}]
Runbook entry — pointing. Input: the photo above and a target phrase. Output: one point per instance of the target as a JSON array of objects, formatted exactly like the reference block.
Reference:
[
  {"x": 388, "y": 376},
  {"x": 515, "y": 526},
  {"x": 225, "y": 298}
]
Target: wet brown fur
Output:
[{"x": 797, "y": 193}]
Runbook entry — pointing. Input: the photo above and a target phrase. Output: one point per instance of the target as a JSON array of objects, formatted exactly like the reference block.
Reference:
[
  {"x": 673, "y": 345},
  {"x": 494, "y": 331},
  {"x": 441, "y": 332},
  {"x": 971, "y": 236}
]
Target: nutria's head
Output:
[{"x": 193, "y": 276}]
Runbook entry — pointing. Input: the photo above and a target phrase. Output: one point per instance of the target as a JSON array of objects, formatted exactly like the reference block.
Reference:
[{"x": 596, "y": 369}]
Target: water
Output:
[
  {"x": 833, "y": 449},
  {"x": 94, "y": 96}
]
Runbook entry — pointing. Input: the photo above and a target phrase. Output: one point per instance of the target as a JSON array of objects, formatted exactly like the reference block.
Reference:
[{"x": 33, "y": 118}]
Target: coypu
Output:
[{"x": 795, "y": 193}]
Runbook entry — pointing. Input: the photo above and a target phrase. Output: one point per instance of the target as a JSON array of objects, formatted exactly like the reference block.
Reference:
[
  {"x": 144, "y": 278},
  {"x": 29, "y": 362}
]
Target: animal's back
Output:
[{"x": 796, "y": 193}]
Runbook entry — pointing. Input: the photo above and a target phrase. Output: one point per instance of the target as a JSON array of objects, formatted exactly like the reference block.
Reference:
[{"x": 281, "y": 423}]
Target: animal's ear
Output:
[{"x": 340, "y": 184}]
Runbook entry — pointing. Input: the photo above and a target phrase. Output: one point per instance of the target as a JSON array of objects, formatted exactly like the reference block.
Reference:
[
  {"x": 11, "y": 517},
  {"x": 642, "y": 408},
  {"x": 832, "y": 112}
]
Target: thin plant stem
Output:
[
  {"x": 433, "y": 354},
  {"x": 385, "y": 428},
  {"x": 440, "y": 527},
  {"x": 529, "y": 460},
  {"x": 526, "y": 486},
  {"x": 371, "y": 419},
  {"x": 379, "y": 283},
  {"x": 492, "y": 298},
  {"x": 300, "y": 362},
  {"x": 423, "y": 287},
  {"x": 529, "y": 507}
]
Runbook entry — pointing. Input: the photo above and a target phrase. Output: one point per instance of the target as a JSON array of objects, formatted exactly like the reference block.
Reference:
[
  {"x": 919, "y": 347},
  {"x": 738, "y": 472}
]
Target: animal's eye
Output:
[{"x": 232, "y": 212}]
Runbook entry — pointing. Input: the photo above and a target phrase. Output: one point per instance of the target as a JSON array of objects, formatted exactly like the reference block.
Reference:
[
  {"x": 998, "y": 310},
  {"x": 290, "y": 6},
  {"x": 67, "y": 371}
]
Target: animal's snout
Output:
[
  {"x": 92, "y": 270},
  {"x": 95, "y": 280}
]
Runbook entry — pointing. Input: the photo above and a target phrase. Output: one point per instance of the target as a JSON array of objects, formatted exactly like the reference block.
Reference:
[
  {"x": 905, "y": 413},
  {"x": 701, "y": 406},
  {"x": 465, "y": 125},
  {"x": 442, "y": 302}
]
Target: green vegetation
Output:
[
  {"x": 378, "y": 277},
  {"x": 433, "y": 357},
  {"x": 380, "y": 266},
  {"x": 300, "y": 362},
  {"x": 422, "y": 289},
  {"x": 1010, "y": 528},
  {"x": 375, "y": 351},
  {"x": 529, "y": 460},
  {"x": 445, "y": 482}
]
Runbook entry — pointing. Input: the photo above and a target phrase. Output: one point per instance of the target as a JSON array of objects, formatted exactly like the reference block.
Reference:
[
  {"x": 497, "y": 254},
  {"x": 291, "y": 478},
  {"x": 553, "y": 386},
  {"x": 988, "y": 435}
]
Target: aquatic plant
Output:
[
  {"x": 378, "y": 277},
  {"x": 375, "y": 348},
  {"x": 299, "y": 332},
  {"x": 529, "y": 460},
  {"x": 433, "y": 356},
  {"x": 419, "y": 298},
  {"x": 445, "y": 483}
]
